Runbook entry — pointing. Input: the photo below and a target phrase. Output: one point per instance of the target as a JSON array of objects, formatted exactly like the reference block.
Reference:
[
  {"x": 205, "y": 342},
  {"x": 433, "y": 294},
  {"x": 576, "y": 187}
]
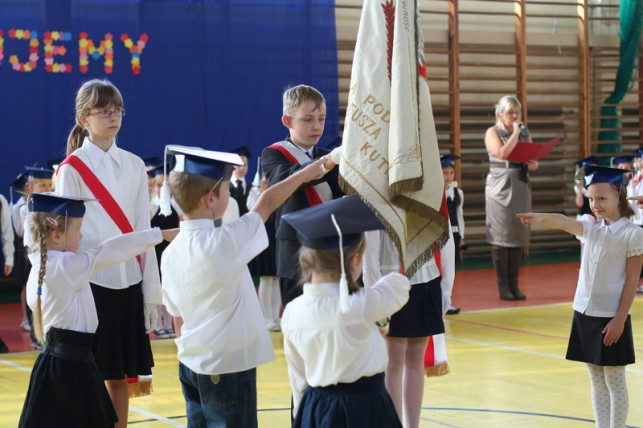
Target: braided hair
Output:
[{"x": 41, "y": 225}]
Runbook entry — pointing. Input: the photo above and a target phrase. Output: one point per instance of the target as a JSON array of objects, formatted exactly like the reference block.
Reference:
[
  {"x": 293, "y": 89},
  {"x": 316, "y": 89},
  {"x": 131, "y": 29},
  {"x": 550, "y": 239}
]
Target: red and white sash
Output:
[
  {"x": 315, "y": 194},
  {"x": 105, "y": 198}
]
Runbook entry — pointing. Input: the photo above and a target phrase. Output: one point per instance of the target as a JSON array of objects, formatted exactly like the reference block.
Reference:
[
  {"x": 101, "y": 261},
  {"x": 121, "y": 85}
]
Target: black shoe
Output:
[
  {"x": 4, "y": 349},
  {"x": 453, "y": 311},
  {"x": 507, "y": 296},
  {"x": 519, "y": 296}
]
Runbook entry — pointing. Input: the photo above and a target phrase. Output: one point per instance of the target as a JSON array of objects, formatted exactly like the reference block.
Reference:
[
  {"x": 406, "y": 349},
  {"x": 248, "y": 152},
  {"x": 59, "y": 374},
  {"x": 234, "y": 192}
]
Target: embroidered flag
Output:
[{"x": 390, "y": 153}]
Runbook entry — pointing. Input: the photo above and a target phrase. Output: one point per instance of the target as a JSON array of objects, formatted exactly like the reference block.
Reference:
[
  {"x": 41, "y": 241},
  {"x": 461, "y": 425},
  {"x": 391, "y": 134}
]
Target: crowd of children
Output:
[{"x": 99, "y": 278}]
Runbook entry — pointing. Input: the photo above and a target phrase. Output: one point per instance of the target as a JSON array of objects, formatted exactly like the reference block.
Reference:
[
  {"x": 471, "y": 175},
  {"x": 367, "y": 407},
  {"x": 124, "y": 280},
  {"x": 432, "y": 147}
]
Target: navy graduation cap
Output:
[
  {"x": 53, "y": 203},
  {"x": 242, "y": 151},
  {"x": 20, "y": 181},
  {"x": 195, "y": 160},
  {"x": 158, "y": 170},
  {"x": 448, "y": 160},
  {"x": 152, "y": 161},
  {"x": 315, "y": 227},
  {"x": 591, "y": 160},
  {"x": 592, "y": 174},
  {"x": 38, "y": 172},
  {"x": 638, "y": 153},
  {"x": 622, "y": 159}
]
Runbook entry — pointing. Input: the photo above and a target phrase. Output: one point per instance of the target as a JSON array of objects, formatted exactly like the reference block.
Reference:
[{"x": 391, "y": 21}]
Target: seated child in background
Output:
[
  {"x": 66, "y": 387},
  {"x": 207, "y": 287},
  {"x": 336, "y": 355}
]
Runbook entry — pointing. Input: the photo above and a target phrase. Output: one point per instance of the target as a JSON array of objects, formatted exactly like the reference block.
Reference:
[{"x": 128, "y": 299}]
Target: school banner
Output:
[
  {"x": 192, "y": 72},
  {"x": 390, "y": 152}
]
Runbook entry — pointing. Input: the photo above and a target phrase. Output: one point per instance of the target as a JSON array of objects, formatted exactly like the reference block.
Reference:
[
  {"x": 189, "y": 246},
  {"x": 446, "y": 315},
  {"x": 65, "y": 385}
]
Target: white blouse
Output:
[
  {"x": 602, "y": 272},
  {"x": 123, "y": 175},
  {"x": 67, "y": 300},
  {"x": 325, "y": 347}
]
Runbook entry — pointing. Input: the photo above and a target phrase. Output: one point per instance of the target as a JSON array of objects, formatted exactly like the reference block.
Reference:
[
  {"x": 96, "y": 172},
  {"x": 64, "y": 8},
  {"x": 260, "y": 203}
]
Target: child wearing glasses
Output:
[{"x": 127, "y": 293}]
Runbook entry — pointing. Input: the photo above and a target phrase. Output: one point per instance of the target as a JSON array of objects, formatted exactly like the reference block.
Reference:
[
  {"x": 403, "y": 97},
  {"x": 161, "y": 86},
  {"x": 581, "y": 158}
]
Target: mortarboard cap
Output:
[
  {"x": 152, "y": 161},
  {"x": 592, "y": 174},
  {"x": 20, "y": 181},
  {"x": 50, "y": 202},
  {"x": 448, "y": 160},
  {"x": 622, "y": 159},
  {"x": 315, "y": 227},
  {"x": 195, "y": 160},
  {"x": 158, "y": 170},
  {"x": 38, "y": 172},
  {"x": 242, "y": 151},
  {"x": 53, "y": 163},
  {"x": 591, "y": 160},
  {"x": 638, "y": 153}
]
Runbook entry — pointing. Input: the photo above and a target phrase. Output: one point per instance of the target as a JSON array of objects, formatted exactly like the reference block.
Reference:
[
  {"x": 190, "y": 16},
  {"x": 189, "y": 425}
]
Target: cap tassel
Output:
[
  {"x": 343, "y": 282},
  {"x": 256, "y": 182},
  {"x": 165, "y": 205}
]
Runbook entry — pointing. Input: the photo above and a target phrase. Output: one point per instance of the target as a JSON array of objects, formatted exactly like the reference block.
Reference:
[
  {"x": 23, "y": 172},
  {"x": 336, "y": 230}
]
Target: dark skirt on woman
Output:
[
  {"x": 66, "y": 388},
  {"x": 122, "y": 347},
  {"x": 586, "y": 342},
  {"x": 421, "y": 316},
  {"x": 363, "y": 403}
]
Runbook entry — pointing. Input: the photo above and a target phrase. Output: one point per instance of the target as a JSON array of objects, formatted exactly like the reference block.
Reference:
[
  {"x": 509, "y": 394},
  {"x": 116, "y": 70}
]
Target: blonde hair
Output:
[
  {"x": 41, "y": 225},
  {"x": 294, "y": 96},
  {"x": 506, "y": 103},
  {"x": 92, "y": 94},
  {"x": 328, "y": 262},
  {"x": 188, "y": 189}
]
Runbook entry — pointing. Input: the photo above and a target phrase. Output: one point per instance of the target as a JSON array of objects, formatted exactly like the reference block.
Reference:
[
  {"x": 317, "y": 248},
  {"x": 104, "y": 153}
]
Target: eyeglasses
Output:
[{"x": 106, "y": 114}]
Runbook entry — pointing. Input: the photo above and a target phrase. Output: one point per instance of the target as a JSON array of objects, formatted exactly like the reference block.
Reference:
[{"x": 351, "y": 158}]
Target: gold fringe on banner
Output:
[
  {"x": 141, "y": 388},
  {"x": 439, "y": 370}
]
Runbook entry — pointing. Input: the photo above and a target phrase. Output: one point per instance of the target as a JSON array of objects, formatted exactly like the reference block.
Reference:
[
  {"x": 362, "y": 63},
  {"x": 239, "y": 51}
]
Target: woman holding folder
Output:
[{"x": 507, "y": 193}]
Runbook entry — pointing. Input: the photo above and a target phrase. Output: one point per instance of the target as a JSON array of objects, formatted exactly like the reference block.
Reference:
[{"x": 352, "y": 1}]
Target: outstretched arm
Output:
[{"x": 556, "y": 221}]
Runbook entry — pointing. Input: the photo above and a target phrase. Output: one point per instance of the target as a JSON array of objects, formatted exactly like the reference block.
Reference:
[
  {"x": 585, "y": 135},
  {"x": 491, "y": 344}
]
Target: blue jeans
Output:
[{"x": 217, "y": 401}]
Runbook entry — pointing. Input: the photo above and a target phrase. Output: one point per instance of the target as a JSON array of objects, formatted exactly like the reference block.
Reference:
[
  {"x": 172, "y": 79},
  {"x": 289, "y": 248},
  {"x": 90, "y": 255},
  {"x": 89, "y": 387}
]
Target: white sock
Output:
[
  {"x": 600, "y": 396},
  {"x": 619, "y": 400}
]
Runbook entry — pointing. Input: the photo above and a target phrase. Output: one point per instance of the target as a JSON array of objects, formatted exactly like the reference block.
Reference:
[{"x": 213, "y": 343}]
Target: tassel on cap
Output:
[
  {"x": 343, "y": 282},
  {"x": 165, "y": 206},
  {"x": 256, "y": 182}
]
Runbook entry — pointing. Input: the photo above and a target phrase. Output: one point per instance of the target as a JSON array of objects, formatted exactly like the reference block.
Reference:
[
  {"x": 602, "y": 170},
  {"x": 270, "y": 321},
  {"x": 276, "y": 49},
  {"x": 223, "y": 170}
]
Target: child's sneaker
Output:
[
  {"x": 161, "y": 333},
  {"x": 25, "y": 325}
]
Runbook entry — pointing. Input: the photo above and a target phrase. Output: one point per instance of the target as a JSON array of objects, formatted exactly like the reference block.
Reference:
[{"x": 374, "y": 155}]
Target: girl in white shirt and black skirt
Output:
[{"x": 601, "y": 334}]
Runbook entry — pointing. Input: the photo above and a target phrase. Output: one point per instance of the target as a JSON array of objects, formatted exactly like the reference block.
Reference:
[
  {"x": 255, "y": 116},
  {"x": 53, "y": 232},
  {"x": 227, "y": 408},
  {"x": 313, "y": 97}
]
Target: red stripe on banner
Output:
[
  {"x": 311, "y": 194},
  {"x": 102, "y": 194},
  {"x": 429, "y": 354}
]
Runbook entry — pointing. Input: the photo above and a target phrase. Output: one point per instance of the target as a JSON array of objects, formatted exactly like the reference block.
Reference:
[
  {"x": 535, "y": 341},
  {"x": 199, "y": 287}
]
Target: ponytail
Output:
[
  {"x": 37, "y": 310},
  {"x": 75, "y": 138}
]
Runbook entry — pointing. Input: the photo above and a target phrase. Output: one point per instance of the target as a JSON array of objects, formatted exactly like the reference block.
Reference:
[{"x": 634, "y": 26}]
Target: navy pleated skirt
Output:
[
  {"x": 421, "y": 316},
  {"x": 66, "y": 388},
  {"x": 586, "y": 342},
  {"x": 363, "y": 403}
]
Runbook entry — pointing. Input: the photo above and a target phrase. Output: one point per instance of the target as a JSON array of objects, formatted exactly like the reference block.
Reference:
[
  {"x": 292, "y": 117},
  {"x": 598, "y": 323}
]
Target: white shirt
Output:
[
  {"x": 67, "y": 300},
  {"x": 602, "y": 272},
  {"x": 231, "y": 212},
  {"x": 123, "y": 175},
  {"x": 207, "y": 283},
  {"x": 7, "y": 231},
  {"x": 450, "y": 192},
  {"x": 634, "y": 188},
  {"x": 381, "y": 257},
  {"x": 325, "y": 347},
  {"x": 16, "y": 218}
]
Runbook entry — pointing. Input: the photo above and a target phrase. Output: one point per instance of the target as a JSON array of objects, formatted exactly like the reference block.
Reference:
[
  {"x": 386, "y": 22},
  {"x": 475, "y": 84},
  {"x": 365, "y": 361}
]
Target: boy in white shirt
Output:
[{"x": 208, "y": 289}]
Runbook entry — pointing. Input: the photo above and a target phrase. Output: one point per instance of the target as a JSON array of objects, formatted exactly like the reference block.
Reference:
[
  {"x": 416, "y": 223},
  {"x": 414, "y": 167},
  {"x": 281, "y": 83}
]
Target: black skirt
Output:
[
  {"x": 122, "y": 347},
  {"x": 586, "y": 342},
  {"x": 421, "y": 316},
  {"x": 363, "y": 403},
  {"x": 66, "y": 389},
  {"x": 265, "y": 264}
]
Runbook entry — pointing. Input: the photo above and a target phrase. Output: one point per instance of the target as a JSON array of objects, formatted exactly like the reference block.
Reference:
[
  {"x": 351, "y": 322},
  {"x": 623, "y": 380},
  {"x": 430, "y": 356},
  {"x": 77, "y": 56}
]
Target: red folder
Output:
[{"x": 524, "y": 152}]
